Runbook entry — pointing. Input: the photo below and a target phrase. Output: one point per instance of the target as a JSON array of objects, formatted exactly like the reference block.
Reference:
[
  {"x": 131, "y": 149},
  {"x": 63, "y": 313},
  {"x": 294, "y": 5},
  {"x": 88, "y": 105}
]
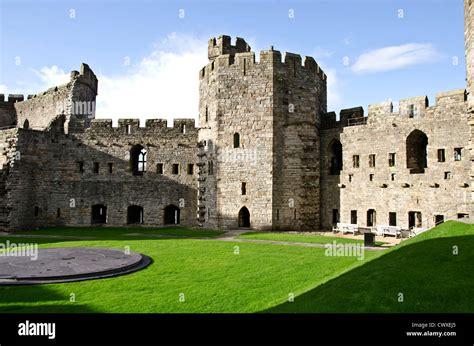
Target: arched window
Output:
[
  {"x": 26, "y": 124},
  {"x": 417, "y": 143},
  {"x": 236, "y": 140},
  {"x": 335, "y": 157},
  {"x": 138, "y": 159}
]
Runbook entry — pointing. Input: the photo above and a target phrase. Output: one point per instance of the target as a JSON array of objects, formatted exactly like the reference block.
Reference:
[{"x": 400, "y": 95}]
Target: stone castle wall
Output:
[
  {"x": 48, "y": 178},
  {"x": 384, "y": 132}
]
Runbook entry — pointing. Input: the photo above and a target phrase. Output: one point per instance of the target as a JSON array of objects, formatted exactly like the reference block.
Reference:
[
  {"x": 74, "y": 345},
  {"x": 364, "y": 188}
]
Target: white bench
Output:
[
  {"x": 346, "y": 228},
  {"x": 388, "y": 230}
]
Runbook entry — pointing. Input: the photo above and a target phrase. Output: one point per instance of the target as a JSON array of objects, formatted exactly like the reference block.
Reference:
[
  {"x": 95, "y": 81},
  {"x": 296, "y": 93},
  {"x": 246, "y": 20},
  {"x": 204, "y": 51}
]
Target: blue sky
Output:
[{"x": 147, "y": 55}]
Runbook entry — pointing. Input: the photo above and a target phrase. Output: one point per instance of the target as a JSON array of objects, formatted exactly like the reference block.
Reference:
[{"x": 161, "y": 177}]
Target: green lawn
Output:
[
  {"x": 300, "y": 238},
  {"x": 211, "y": 276},
  {"x": 260, "y": 278},
  {"x": 120, "y": 232},
  {"x": 424, "y": 270}
]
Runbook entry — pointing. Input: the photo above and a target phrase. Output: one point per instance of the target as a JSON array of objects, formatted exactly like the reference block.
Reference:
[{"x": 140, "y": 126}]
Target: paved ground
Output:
[{"x": 27, "y": 265}]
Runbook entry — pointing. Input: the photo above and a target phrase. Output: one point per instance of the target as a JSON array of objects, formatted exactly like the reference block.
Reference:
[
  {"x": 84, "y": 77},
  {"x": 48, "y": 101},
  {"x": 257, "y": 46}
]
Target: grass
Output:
[
  {"x": 120, "y": 232},
  {"x": 424, "y": 270},
  {"x": 300, "y": 238},
  {"x": 211, "y": 276},
  {"x": 260, "y": 278}
]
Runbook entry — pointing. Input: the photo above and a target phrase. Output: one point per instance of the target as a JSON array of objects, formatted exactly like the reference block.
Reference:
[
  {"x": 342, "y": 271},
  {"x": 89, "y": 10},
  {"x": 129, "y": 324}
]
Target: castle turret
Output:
[
  {"x": 222, "y": 45},
  {"x": 259, "y": 138}
]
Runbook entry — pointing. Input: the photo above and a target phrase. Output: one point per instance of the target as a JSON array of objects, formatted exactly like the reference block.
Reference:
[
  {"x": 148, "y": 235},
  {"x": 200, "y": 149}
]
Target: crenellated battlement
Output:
[
  {"x": 11, "y": 98},
  {"x": 131, "y": 126},
  {"x": 222, "y": 45},
  {"x": 414, "y": 107},
  {"x": 245, "y": 60}
]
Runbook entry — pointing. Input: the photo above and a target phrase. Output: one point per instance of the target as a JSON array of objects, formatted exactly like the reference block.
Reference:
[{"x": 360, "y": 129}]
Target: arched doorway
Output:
[
  {"x": 134, "y": 214},
  {"x": 416, "y": 145},
  {"x": 172, "y": 215},
  {"x": 99, "y": 214},
  {"x": 335, "y": 154},
  {"x": 244, "y": 217}
]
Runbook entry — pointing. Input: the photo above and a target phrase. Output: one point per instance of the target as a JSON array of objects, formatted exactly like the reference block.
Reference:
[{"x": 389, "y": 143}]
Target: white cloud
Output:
[
  {"x": 334, "y": 92},
  {"x": 395, "y": 57},
  {"x": 320, "y": 53},
  {"x": 52, "y": 76},
  {"x": 164, "y": 84}
]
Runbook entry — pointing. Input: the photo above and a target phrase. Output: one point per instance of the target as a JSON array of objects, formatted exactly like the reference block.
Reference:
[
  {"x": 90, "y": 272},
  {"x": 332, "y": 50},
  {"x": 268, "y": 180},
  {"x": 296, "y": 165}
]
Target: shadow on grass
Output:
[
  {"x": 19, "y": 299},
  {"x": 426, "y": 276}
]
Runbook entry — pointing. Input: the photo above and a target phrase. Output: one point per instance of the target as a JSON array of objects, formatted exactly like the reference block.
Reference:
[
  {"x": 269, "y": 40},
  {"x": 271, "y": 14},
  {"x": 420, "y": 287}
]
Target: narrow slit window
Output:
[
  {"x": 441, "y": 155},
  {"x": 391, "y": 159},
  {"x": 244, "y": 189},
  {"x": 175, "y": 168},
  {"x": 457, "y": 154},
  {"x": 356, "y": 161},
  {"x": 96, "y": 167},
  {"x": 372, "y": 160},
  {"x": 159, "y": 168},
  {"x": 190, "y": 169}
]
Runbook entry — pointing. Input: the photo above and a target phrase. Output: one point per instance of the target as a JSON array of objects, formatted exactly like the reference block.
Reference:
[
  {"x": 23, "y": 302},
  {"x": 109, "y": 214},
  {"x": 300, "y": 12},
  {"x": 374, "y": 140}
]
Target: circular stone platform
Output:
[{"x": 69, "y": 264}]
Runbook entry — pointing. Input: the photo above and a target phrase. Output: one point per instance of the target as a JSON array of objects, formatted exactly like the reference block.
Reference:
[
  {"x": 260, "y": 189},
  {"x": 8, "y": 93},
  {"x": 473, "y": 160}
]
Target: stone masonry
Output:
[{"x": 267, "y": 154}]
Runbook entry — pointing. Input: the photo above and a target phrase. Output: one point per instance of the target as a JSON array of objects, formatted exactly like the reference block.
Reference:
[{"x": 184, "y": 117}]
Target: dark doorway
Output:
[
  {"x": 414, "y": 219},
  {"x": 244, "y": 217},
  {"x": 99, "y": 213},
  {"x": 335, "y": 153},
  {"x": 354, "y": 217},
  {"x": 416, "y": 145},
  {"x": 172, "y": 215},
  {"x": 135, "y": 214},
  {"x": 371, "y": 218},
  {"x": 335, "y": 216},
  {"x": 439, "y": 219}
]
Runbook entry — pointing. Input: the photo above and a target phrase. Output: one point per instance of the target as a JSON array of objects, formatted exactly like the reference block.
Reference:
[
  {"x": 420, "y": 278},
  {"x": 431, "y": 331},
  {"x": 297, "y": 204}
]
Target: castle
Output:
[{"x": 267, "y": 154}]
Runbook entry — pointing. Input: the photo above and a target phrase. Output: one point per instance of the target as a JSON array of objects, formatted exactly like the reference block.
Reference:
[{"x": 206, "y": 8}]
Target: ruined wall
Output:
[
  {"x": 69, "y": 107},
  {"x": 384, "y": 132},
  {"x": 48, "y": 175},
  {"x": 7, "y": 110}
]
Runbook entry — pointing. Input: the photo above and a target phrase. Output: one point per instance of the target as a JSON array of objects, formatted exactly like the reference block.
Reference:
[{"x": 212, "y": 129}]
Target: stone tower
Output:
[
  {"x": 259, "y": 138},
  {"x": 469, "y": 41}
]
